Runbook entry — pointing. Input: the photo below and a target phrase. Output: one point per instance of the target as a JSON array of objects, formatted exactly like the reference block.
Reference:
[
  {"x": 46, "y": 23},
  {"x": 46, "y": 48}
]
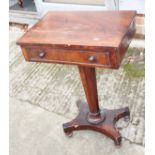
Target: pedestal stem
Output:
[{"x": 88, "y": 77}]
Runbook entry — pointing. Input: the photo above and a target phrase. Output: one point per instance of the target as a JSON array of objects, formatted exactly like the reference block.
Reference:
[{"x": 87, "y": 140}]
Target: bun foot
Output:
[
  {"x": 69, "y": 134},
  {"x": 118, "y": 140},
  {"x": 127, "y": 118},
  {"x": 107, "y": 126}
]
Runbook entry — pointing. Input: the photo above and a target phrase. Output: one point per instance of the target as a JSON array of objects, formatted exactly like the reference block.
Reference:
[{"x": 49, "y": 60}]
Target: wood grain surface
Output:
[{"x": 91, "y": 28}]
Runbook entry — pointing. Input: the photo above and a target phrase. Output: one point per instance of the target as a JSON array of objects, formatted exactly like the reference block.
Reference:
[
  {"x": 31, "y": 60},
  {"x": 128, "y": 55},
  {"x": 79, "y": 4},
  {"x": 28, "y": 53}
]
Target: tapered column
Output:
[{"x": 88, "y": 77}]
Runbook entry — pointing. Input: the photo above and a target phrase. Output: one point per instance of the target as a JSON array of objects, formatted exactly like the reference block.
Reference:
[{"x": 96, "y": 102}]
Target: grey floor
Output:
[{"x": 43, "y": 96}]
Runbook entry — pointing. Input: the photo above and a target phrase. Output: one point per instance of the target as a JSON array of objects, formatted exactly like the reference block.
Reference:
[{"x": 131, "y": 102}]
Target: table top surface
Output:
[{"x": 84, "y": 28}]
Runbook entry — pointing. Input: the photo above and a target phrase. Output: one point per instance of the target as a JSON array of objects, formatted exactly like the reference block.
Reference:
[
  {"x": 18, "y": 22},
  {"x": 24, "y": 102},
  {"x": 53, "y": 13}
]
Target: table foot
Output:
[
  {"x": 69, "y": 133},
  {"x": 127, "y": 118},
  {"x": 107, "y": 126}
]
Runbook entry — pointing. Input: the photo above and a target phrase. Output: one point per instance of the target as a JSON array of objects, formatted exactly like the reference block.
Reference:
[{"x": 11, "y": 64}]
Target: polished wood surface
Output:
[
  {"x": 88, "y": 77},
  {"x": 74, "y": 57},
  {"x": 100, "y": 28},
  {"x": 75, "y": 34},
  {"x": 87, "y": 39},
  {"x": 106, "y": 126}
]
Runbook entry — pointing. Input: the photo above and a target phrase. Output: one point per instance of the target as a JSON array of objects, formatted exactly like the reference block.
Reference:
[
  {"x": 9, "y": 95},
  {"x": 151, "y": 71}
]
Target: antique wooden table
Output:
[{"x": 86, "y": 39}]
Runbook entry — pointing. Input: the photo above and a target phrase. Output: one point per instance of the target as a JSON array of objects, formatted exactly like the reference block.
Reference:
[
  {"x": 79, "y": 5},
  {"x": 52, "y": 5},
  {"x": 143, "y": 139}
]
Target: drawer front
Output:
[{"x": 67, "y": 56}]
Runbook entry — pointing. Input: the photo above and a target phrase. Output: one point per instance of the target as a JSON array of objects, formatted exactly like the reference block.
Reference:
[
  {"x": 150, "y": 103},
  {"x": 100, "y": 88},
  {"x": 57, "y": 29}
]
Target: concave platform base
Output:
[{"x": 107, "y": 126}]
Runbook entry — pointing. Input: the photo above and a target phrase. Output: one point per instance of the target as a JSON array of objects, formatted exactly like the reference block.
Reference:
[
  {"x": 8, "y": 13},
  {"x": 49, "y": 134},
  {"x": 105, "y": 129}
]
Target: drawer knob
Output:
[
  {"x": 92, "y": 58},
  {"x": 42, "y": 54}
]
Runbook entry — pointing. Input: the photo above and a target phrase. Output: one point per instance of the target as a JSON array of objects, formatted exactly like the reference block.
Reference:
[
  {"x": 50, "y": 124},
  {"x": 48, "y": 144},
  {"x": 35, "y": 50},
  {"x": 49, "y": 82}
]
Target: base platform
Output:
[{"x": 106, "y": 126}]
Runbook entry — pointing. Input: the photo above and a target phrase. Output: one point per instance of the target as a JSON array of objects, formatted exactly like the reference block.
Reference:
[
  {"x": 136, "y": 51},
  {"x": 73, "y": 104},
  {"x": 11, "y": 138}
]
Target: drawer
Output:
[{"x": 40, "y": 54}]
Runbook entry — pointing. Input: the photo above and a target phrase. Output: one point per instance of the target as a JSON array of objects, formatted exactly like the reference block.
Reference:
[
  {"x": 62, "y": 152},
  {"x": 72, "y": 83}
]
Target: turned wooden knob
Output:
[
  {"x": 92, "y": 58},
  {"x": 42, "y": 54}
]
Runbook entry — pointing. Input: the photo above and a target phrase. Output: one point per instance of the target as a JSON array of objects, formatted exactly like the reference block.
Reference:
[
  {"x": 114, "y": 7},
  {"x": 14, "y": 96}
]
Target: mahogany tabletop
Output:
[{"x": 84, "y": 28}]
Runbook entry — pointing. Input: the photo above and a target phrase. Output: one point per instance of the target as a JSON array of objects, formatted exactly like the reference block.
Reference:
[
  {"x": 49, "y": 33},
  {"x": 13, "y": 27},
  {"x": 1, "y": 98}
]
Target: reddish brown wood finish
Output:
[
  {"x": 88, "y": 77},
  {"x": 91, "y": 31},
  {"x": 76, "y": 57},
  {"x": 84, "y": 28},
  {"x": 107, "y": 126},
  {"x": 87, "y": 39},
  {"x": 92, "y": 117}
]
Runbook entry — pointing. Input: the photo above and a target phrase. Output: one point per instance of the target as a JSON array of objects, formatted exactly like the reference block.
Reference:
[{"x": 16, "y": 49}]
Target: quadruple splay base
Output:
[{"x": 105, "y": 126}]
